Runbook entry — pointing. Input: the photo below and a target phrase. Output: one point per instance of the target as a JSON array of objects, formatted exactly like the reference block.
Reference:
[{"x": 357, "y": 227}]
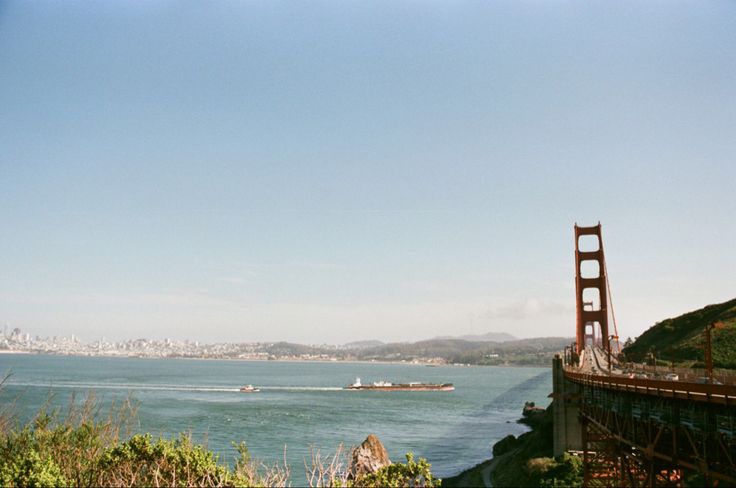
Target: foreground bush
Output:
[
  {"x": 84, "y": 449},
  {"x": 397, "y": 475},
  {"x": 32, "y": 470},
  {"x": 562, "y": 471},
  {"x": 140, "y": 461},
  {"x": 56, "y": 450}
]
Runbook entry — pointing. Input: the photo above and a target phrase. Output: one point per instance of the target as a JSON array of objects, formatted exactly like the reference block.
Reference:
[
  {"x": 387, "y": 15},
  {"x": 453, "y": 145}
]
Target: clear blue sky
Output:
[{"x": 329, "y": 171}]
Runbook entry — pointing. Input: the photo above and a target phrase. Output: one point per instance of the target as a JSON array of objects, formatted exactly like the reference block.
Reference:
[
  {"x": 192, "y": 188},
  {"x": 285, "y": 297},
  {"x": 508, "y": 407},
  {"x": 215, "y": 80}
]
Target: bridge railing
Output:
[
  {"x": 725, "y": 376},
  {"x": 724, "y": 394}
]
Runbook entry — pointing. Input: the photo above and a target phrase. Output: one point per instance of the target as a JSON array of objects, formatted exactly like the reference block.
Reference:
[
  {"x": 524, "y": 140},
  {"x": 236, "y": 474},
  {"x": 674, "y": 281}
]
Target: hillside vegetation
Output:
[
  {"x": 537, "y": 351},
  {"x": 682, "y": 338}
]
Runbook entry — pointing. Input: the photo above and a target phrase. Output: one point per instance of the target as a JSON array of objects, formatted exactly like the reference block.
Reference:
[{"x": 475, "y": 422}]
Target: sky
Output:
[{"x": 331, "y": 171}]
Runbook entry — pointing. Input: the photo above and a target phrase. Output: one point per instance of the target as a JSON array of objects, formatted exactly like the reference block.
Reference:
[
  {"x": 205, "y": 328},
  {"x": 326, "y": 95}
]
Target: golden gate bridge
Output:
[{"x": 634, "y": 427}]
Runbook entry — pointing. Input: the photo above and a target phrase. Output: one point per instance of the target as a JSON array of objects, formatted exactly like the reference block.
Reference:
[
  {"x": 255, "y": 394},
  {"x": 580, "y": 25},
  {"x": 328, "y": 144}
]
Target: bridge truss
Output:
[{"x": 656, "y": 433}]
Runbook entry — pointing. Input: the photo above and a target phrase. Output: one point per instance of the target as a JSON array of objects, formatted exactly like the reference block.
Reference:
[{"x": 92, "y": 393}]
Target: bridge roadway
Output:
[
  {"x": 641, "y": 430},
  {"x": 594, "y": 369}
]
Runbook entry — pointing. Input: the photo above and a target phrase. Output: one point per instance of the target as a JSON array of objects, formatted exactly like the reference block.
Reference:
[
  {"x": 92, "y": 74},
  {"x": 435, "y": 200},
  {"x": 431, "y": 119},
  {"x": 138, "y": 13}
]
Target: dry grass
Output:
[{"x": 327, "y": 471}]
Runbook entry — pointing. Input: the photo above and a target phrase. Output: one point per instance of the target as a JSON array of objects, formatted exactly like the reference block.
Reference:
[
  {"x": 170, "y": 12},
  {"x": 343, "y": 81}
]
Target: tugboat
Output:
[
  {"x": 249, "y": 389},
  {"x": 412, "y": 386}
]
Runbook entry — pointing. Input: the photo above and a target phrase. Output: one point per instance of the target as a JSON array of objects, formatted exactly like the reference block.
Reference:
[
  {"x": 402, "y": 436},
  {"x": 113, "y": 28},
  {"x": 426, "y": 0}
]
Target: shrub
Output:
[
  {"x": 399, "y": 475},
  {"x": 140, "y": 461},
  {"x": 32, "y": 470},
  {"x": 69, "y": 445},
  {"x": 84, "y": 449},
  {"x": 562, "y": 471}
]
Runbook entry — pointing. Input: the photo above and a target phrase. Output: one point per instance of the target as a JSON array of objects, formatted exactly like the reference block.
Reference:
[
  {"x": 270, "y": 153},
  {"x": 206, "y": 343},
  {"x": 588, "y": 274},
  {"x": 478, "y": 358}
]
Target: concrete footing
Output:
[{"x": 568, "y": 431}]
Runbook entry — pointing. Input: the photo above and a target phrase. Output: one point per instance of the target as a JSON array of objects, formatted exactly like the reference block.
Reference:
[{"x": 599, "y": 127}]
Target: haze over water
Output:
[{"x": 301, "y": 403}]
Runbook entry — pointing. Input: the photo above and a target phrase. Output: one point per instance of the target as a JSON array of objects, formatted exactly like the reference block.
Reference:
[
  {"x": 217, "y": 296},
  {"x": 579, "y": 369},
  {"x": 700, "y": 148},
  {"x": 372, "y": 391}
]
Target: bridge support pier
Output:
[{"x": 567, "y": 432}]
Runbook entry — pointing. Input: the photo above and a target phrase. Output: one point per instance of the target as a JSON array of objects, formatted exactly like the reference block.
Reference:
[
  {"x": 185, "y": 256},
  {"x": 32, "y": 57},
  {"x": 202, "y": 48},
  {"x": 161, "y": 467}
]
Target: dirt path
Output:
[{"x": 487, "y": 471}]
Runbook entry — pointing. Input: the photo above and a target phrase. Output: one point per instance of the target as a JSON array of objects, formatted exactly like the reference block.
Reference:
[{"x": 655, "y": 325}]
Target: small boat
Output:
[
  {"x": 412, "y": 386},
  {"x": 249, "y": 389}
]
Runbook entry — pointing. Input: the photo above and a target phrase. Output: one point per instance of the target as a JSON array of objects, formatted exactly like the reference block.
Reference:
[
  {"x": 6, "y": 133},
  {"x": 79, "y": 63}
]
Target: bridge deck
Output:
[
  {"x": 723, "y": 394},
  {"x": 645, "y": 430}
]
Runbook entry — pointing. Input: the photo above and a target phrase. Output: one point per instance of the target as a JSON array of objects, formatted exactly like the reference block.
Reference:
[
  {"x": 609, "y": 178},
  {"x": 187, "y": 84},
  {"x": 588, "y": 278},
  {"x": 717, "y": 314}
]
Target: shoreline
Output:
[
  {"x": 511, "y": 453},
  {"x": 282, "y": 360},
  {"x": 480, "y": 475}
]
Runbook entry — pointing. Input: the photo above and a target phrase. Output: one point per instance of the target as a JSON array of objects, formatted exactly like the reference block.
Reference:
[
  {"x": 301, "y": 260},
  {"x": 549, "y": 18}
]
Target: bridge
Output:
[{"x": 631, "y": 425}]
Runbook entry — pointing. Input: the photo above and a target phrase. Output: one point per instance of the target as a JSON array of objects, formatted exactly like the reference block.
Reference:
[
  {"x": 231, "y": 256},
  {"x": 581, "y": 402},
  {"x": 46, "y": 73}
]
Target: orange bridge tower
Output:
[{"x": 590, "y": 286}]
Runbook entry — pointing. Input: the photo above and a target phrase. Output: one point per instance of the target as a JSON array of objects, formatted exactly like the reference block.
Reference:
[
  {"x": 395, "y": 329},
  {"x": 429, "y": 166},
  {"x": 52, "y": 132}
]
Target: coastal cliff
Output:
[{"x": 525, "y": 460}]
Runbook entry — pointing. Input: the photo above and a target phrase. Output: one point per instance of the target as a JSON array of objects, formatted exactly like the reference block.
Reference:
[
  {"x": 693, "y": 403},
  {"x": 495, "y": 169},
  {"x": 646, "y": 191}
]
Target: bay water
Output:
[{"x": 301, "y": 405}]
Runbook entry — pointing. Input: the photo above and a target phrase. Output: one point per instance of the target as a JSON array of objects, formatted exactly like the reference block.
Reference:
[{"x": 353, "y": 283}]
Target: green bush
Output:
[
  {"x": 141, "y": 461},
  {"x": 32, "y": 470},
  {"x": 562, "y": 471},
  {"x": 70, "y": 444},
  {"x": 84, "y": 449},
  {"x": 398, "y": 475}
]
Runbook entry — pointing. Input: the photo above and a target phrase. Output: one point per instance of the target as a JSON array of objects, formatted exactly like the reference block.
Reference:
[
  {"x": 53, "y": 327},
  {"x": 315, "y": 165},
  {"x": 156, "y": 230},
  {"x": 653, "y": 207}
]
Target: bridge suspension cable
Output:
[{"x": 610, "y": 303}]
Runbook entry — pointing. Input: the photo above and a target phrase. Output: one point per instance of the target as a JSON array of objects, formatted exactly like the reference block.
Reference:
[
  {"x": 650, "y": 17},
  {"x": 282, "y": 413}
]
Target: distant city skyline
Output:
[
  {"x": 333, "y": 172},
  {"x": 16, "y": 333}
]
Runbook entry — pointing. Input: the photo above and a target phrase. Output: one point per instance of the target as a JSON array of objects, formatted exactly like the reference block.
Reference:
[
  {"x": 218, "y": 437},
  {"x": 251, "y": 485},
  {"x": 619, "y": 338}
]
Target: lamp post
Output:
[
  {"x": 709, "y": 349},
  {"x": 672, "y": 358},
  {"x": 653, "y": 356}
]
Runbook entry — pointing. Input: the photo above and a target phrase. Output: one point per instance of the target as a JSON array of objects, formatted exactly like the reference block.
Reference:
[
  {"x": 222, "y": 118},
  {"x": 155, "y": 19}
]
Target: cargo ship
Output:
[{"x": 412, "y": 386}]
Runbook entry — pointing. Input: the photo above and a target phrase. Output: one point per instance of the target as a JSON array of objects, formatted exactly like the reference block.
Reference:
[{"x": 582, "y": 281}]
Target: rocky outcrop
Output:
[
  {"x": 368, "y": 457},
  {"x": 532, "y": 415},
  {"x": 531, "y": 409},
  {"x": 504, "y": 445}
]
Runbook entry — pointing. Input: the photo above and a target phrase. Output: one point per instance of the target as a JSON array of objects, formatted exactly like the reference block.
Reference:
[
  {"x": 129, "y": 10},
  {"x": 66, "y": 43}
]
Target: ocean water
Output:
[{"x": 301, "y": 404}]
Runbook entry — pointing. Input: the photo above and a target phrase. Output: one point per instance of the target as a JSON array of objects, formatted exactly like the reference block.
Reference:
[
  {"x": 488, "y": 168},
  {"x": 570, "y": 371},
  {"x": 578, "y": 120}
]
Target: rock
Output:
[
  {"x": 368, "y": 457},
  {"x": 534, "y": 416},
  {"x": 504, "y": 445},
  {"x": 531, "y": 409},
  {"x": 531, "y": 413}
]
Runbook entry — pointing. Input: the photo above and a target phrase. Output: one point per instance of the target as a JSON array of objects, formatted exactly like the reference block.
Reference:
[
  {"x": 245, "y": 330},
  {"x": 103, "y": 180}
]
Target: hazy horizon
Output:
[
  {"x": 8, "y": 329},
  {"x": 334, "y": 172}
]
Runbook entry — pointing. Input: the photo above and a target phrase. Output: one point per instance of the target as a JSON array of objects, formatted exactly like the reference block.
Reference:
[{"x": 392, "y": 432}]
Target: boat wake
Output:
[
  {"x": 123, "y": 386},
  {"x": 194, "y": 388},
  {"x": 302, "y": 388}
]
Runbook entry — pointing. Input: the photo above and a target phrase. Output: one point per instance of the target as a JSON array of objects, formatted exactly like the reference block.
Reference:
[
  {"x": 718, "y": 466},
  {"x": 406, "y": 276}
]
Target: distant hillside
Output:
[
  {"x": 536, "y": 351},
  {"x": 362, "y": 344},
  {"x": 487, "y": 337},
  {"x": 683, "y": 337}
]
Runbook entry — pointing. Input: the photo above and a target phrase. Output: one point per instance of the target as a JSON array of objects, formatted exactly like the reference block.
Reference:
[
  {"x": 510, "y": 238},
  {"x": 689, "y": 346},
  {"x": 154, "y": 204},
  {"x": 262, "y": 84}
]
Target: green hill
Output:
[
  {"x": 536, "y": 351},
  {"x": 682, "y": 337}
]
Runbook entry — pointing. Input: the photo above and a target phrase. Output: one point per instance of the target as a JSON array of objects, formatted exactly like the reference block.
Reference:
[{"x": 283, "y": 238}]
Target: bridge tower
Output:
[{"x": 589, "y": 316}]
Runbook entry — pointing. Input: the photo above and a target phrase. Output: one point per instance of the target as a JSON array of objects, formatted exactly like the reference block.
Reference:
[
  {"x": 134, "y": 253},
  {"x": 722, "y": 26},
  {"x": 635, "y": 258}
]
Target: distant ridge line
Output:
[{"x": 487, "y": 337}]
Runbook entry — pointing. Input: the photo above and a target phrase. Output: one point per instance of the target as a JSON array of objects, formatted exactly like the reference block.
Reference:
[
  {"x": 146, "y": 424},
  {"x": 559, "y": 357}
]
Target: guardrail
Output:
[
  {"x": 708, "y": 393},
  {"x": 725, "y": 376}
]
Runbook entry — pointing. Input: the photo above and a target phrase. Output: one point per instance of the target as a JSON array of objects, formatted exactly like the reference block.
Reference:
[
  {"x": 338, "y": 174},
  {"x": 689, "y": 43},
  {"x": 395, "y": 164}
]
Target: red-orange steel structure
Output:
[
  {"x": 634, "y": 429},
  {"x": 599, "y": 315},
  {"x": 645, "y": 432}
]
